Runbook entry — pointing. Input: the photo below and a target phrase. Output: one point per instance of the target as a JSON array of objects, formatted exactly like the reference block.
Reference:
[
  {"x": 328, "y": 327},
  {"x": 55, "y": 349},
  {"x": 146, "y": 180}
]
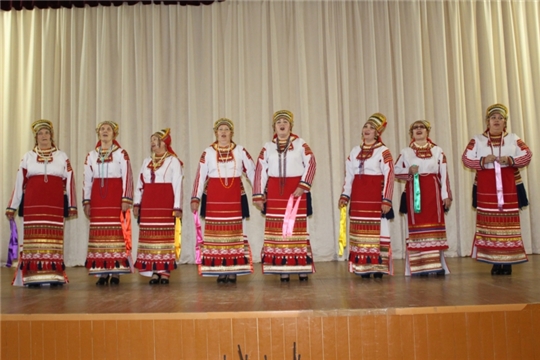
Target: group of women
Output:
[{"x": 281, "y": 178}]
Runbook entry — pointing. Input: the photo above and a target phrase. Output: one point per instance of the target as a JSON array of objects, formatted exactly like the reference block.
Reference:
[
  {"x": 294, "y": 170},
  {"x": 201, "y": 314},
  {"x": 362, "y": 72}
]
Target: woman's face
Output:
[
  {"x": 419, "y": 132},
  {"x": 157, "y": 146},
  {"x": 282, "y": 128},
  {"x": 43, "y": 138},
  {"x": 369, "y": 133},
  {"x": 106, "y": 133},
  {"x": 224, "y": 134},
  {"x": 496, "y": 124}
]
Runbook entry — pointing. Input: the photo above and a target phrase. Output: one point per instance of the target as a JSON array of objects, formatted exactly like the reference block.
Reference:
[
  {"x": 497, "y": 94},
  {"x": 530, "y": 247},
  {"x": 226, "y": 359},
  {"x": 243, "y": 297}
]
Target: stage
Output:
[{"x": 335, "y": 315}]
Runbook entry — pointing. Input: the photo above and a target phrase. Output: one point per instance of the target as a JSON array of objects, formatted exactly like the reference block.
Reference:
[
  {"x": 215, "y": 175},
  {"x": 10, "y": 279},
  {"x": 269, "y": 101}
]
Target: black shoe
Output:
[
  {"x": 440, "y": 273},
  {"x": 303, "y": 277},
  {"x": 284, "y": 278},
  {"x": 34, "y": 286},
  {"x": 56, "y": 284},
  {"x": 506, "y": 270},
  {"x": 496, "y": 269},
  {"x": 378, "y": 275},
  {"x": 103, "y": 280},
  {"x": 164, "y": 280},
  {"x": 231, "y": 278},
  {"x": 222, "y": 279},
  {"x": 115, "y": 280},
  {"x": 155, "y": 280},
  {"x": 365, "y": 276}
]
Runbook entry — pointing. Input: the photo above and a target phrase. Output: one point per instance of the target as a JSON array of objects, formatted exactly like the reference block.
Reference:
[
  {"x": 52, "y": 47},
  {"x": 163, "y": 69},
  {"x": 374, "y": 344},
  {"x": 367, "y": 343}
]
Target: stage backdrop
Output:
[{"x": 332, "y": 63}]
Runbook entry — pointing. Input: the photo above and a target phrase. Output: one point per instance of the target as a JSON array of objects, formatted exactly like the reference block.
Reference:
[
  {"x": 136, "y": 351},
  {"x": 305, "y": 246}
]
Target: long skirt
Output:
[
  {"x": 291, "y": 255},
  {"x": 426, "y": 240},
  {"x": 42, "y": 257},
  {"x": 225, "y": 249},
  {"x": 369, "y": 236},
  {"x": 106, "y": 247},
  {"x": 156, "y": 253},
  {"x": 498, "y": 231}
]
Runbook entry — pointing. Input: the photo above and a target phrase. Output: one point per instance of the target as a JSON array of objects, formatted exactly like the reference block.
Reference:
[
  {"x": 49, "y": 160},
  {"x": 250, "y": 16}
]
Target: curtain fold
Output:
[{"x": 332, "y": 63}]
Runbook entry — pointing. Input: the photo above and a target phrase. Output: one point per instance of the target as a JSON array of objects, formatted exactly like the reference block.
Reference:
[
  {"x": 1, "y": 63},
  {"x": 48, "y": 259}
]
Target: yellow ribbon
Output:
[
  {"x": 178, "y": 238},
  {"x": 342, "y": 230}
]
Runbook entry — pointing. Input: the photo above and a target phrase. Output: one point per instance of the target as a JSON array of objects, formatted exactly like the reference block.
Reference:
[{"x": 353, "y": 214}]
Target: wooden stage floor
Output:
[
  {"x": 331, "y": 288},
  {"x": 468, "y": 314}
]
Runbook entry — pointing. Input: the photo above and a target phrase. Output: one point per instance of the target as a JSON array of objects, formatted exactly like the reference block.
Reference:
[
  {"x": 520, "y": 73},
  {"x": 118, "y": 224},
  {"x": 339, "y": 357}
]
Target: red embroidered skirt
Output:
[
  {"x": 42, "y": 257},
  {"x": 498, "y": 232},
  {"x": 106, "y": 247},
  {"x": 369, "y": 242},
  {"x": 156, "y": 224},
  {"x": 225, "y": 249},
  {"x": 291, "y": 255}
]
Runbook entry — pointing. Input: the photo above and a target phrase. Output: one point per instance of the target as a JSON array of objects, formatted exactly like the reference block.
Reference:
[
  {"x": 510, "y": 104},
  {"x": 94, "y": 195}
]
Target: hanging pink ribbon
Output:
[
  {"x": 13, "y": 242},
  {"x": 499, "y": 185},
  {"x": 199, "y": 238},
  {"x": 290, "y": 216}
]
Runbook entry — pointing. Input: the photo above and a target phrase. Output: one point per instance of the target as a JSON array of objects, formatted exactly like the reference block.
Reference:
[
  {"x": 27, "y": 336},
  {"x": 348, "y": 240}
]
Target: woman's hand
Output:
[
  {"x": 342, "y": 203},
  {"x": 413, "y": 169},
  {"x": 447, "y": 202},
  {"x": 490, "y": 159},
  {"x": 194, "y": 207},
  {"x": 259, "y": 204},
  {"x": 10, "y": 215},
  {"x": 503, "y": 160},
  {"x": 385, "y": 208},
  {"x": 125, "y": 206},
  {"x": 87, "y": 210},
  {"x": 136, "y": 211},
  {"x": 298, "y": 192},
  {"x": 177, "y": 214}
]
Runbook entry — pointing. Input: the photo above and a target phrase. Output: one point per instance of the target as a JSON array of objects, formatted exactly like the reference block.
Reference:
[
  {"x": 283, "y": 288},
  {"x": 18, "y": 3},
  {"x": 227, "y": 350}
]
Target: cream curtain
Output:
[{"x": 333, "y": 63}]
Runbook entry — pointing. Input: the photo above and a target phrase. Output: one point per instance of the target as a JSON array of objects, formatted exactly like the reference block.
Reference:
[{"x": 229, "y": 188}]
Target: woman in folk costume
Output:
[
  {"x": 218, "y": 188},
  {"x": 427, "y": 196},
  {"x": 368, "y": 187},
  {"x": 498, "y": 193},
  {"x": 44, "y": 193},
  {"x": 285, "y": 170},
  {"x": 158, "y": 206},
  {"x": 107, "y": 196}
]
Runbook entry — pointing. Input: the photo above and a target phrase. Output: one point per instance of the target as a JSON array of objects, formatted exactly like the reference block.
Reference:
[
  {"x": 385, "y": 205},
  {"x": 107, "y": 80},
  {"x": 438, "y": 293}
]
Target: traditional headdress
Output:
[
  {"x": 497, "y": 108},
  {"x": 283, "y": 114},
  {"x": 165, "y": 136},
  {"x": 224, "y": 121},
  {"x": 378, "y": 120},
  {"x": 113, "y": 125},
  {"x": 423, "y": 122},
  {"x": 43, "y": 124}
]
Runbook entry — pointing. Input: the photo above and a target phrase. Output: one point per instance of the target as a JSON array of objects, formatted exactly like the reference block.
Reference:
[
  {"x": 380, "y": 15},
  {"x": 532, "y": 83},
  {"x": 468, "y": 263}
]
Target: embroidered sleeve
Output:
[
  {"x": 349, "y": 177},
  {"x": 261, "y": 175},
  {"x": 470, "y": 158},
  {"x": 388, "y": 171},
  {"x": 310, "y": 167},
  {"x": 20, "y": 184},
  {"x": 523, "y": 156},
  {"x": 200, "y": 179},
  {"x": 127, "y": 178},
  {"x": 88, "y": 179}
]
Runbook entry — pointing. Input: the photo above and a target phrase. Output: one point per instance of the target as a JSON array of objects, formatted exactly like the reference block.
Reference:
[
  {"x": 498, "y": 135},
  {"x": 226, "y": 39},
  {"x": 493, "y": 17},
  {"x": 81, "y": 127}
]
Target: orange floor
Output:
[{"x": 468, "y": 314}]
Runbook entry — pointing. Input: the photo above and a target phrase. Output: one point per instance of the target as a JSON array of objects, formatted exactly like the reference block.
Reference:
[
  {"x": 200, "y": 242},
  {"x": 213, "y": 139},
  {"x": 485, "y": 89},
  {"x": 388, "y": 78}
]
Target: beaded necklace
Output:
[
  {"x": 366, "y": 151},
  {"x": 103, "y": 169},
  {"x": 282, "y": 153},
  {"x": 44, "y": 156},
  {"x": 422, "y": 151},
  {"x": 155, "y": 165},
  {"x": 225, "y": 160}
]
